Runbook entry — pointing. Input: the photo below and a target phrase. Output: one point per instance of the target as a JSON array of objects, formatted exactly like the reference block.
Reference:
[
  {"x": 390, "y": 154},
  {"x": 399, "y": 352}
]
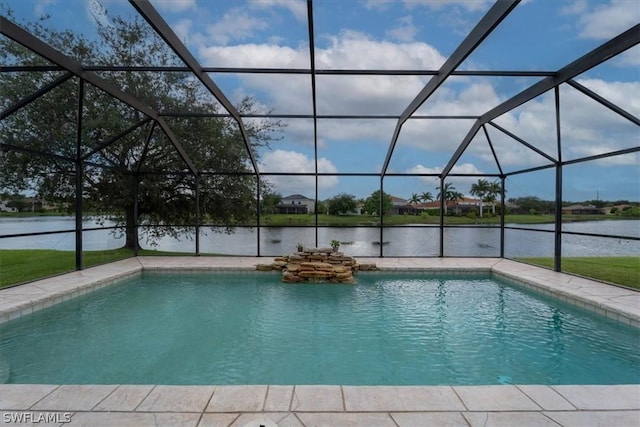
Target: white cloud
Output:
[
  {"x": 575, "y": 8},
  {"x": 175, "y": 5},
  {"x": 609, "y": 20},
  {"x": 469, "y": 5},
  {"x": 354, "y": 49},
  {"x": 41, "y": 6},
  {"x": 629, "y": 58},
  {"x": 297, "y": 7},
  {"x": 292, "y": 161},
  {"x": 96, "y": 12},
  {"x": 255, "y": 55},
  {"x": 349, "y": 49},
  {"x": 616, "y": 92},
  {"x": 236, "y": 24},
  {"x": 405, "y": 31},
  {"x": 377, "y": 4},
  {"x": 183, "y": 29},
  {"x": 343, "y": 94},
  {"x": 587, "y": 127}
]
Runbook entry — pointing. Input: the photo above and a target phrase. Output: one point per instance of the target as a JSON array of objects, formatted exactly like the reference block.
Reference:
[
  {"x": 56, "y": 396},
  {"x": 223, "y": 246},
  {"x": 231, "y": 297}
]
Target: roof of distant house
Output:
[
  {"x": 574, "y": 207},
  {"x": 296, "y": 196}
]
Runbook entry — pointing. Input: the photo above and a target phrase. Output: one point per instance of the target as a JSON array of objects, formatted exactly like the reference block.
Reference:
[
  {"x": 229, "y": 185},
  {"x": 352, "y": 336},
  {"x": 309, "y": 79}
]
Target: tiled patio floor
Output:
[
  {"x": 309, "y": 405},
  {"x": 162, "y": 405}
]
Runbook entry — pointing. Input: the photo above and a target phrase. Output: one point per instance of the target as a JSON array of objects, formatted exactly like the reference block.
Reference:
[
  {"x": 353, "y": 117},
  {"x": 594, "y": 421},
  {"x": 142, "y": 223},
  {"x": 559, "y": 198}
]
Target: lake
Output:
[{"x": 424, "y": 240}]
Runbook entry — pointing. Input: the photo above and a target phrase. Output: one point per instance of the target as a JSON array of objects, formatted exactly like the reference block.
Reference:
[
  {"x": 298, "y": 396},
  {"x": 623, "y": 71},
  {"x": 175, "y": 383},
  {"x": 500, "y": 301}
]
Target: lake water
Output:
[{"x": 397, "y": 241}]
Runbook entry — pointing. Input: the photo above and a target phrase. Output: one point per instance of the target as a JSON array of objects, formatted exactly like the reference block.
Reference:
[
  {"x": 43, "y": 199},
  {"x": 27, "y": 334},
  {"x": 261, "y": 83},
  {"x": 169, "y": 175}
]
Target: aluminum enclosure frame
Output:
[{"x": 86, "y": 73}]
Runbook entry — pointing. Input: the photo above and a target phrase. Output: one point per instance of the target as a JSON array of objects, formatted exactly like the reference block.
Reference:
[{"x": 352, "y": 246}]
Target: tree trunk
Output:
[{"x": 131, "y": 230}]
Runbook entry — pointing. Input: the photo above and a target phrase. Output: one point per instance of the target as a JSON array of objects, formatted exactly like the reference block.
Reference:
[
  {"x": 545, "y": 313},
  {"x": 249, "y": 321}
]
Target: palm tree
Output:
[
  {"x": 426, "y": 197},
  {"x": 480, "y": 189},
  {"x": 448, "y": 192},
  {"x": 494, "y": 189},
  {"x": 455, "y": 196},
  {"x": 414, "y": 200}
]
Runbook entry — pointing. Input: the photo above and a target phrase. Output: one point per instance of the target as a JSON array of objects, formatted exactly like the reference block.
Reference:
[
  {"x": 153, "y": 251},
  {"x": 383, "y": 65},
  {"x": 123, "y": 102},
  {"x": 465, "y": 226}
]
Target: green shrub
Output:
[{"x": 631, "y": 211}]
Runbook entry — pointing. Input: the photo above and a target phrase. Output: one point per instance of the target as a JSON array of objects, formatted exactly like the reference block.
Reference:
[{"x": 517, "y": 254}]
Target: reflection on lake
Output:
[{"x": 356, "y": 241}]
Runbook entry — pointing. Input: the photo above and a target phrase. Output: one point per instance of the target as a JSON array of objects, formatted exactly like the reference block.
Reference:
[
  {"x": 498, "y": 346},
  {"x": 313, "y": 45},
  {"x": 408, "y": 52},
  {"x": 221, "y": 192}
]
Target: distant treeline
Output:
[{"x": 532, "y": 204}]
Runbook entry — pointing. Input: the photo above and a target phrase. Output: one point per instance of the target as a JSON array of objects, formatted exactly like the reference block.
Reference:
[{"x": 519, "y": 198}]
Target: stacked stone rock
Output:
[{"x": 317, "y": 265}]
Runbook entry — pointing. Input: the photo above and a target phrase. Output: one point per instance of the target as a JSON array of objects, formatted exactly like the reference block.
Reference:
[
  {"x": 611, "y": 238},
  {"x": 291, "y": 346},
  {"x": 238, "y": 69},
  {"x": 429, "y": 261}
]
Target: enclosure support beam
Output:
[
  {"x": 116, "y": 138},
  {"x": 487, "y": 24},
  {"x": 502, "y": 213},
  {"x": 442, "y": 205},
  {"x": 312, "y": 64},
  {"x": 79, "y": 177},
  {"x": 258, "y": 211},
  {"x": 11, "y": 147},
  {"x": 381, "y": 215},
  {"x": 27, "y": 100},
  {"x": 523, "y": 142},
  {"x": 557, "y": 255},
  {"x": 43, "y": 49},
  {"x": 145, "y": 150},
  {"x": 273, "y": 70},
  {"x": 493, "y": 151},
  {"x": 611, "y": 48},
  {"x": 197, "y": 178},
  {"x": 163, "y": 29},
  {"x": 136, "y": 193},
  {"x": 610, "y": 105}
]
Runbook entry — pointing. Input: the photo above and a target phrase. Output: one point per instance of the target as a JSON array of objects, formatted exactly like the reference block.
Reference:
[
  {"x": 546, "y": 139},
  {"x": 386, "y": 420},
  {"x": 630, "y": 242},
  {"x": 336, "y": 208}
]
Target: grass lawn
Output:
[
  {"x": 620, "y": 270},
  {"x": 18, "y": 266},
  {"x": 23, "y": 265}
]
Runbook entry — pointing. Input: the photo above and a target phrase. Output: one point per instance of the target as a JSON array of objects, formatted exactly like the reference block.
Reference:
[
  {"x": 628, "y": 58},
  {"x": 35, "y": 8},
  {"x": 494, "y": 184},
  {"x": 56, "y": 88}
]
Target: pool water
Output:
[{"x": 402, "y": 329}]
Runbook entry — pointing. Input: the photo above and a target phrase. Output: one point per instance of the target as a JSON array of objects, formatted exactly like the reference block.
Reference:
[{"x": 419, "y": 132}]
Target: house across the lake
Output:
[
  {"x": 296, "y": 204},
  {"x": 4, "y": 206},
  {"x": 581, "y": 210},
  {"x": 459, "y": 207}
]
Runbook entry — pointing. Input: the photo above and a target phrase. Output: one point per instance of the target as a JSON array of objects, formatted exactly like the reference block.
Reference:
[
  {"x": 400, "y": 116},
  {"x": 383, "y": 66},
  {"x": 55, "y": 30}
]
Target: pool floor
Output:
[
  {"x": 392, "y": 328},
  {"x": 306, "y": 405}
]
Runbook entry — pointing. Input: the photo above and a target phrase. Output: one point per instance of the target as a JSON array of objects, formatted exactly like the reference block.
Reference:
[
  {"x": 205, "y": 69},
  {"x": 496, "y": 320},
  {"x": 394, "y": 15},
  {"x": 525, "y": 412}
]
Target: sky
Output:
[{"x": 538, "y": 35}]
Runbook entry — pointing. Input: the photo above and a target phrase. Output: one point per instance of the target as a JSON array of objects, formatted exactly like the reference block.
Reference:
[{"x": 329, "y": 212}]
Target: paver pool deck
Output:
[{"x": 322, "y": 405}]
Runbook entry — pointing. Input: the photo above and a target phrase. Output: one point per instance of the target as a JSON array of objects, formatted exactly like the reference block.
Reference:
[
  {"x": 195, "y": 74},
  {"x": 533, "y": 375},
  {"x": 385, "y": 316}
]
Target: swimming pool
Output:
[{"x": 399, "y": 329}]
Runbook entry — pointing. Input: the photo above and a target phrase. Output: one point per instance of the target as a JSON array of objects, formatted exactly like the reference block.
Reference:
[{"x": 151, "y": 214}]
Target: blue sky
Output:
[{"x": 540, "y": 35}]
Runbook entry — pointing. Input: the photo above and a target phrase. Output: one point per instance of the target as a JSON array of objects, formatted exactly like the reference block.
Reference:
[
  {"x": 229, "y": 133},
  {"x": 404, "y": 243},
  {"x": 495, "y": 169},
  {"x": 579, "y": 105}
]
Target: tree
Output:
[
  {"x": 18, "y": 201},
  {"x": 492, "y": 195},
  {"x": 144, "y": 162},
  {"x": 415, "y": 199},
  {"x": 480, "y": 189},
  {"x": 270, "y": 201},
  {"x": 372, "y": 203},
  {"x": 321, "y": 207},
  {"x": 532, "y": 205},
  {"x": 455, "y": 196},
  {"x": 341, "y": 204},
  {"x": 448, "y": 193},
  {"x": 426, "y": 197}
]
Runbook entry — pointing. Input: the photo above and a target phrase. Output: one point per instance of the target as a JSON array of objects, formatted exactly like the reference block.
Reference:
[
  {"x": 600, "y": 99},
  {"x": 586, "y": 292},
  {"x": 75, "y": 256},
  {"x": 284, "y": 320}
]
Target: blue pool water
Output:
[{"x": 251, "y": 329}]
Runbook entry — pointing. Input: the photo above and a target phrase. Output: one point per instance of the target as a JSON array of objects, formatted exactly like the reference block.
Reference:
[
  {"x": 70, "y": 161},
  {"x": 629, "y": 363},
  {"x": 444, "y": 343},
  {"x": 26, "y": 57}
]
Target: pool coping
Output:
[
  {"x": 618, "y": 303},
  {"x": 303, "y": 405}
]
